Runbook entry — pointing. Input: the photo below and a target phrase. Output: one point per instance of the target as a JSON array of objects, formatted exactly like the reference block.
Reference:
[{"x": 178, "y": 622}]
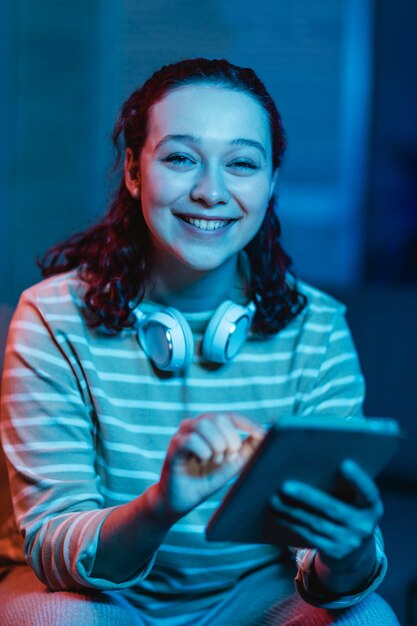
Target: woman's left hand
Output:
[{"x": 339, "y": 530}]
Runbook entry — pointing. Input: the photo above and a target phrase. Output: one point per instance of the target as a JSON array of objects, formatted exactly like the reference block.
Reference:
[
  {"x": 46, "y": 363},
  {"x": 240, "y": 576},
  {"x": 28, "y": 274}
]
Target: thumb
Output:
[
  {"x": 249, "y": 446},
  {"x": 247, "y": 425}
]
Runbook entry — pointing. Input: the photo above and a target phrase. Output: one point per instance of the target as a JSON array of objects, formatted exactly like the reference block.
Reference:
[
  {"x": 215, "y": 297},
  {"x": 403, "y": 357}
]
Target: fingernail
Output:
[
  {"x": 290, "y": 487},
  {"x": 348, "y": 466}
]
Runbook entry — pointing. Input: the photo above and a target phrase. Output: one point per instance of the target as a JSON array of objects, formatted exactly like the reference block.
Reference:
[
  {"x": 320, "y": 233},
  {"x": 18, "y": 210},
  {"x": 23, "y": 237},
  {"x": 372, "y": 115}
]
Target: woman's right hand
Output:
[{"x": 203, "y": 455}]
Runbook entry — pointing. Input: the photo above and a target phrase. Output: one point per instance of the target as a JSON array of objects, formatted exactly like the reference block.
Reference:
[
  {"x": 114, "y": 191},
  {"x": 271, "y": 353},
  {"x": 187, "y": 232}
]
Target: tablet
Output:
[{"x": 307, "y": 449}]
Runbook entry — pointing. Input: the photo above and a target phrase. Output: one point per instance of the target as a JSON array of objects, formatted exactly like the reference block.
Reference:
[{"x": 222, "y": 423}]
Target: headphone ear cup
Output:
[
  {"x": 166, "y": 338},
  {"x": 227, "y": 331}
]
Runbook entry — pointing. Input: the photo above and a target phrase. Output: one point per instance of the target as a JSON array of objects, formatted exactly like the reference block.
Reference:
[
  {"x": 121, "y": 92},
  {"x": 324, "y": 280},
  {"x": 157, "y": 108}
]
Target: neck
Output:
[{"x": 191, "y": 291}]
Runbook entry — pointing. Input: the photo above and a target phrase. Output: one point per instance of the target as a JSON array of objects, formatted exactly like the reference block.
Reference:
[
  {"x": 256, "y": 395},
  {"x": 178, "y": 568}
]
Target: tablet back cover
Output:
[{"x": 307, "y": 453}]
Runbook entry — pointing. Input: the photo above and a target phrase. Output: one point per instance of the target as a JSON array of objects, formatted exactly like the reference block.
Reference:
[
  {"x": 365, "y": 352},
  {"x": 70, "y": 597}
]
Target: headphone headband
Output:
[{"x": 167, "y": 339}]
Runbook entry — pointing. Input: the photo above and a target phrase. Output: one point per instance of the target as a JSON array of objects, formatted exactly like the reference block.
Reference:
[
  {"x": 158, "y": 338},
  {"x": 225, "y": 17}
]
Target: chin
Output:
[
  {"x": 202, "y": 267},
  {"x": 202, "y": 264}
]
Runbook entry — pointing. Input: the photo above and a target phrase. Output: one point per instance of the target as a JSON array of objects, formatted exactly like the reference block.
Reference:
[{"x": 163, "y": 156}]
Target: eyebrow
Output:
[{"x": 240, "y": 141}]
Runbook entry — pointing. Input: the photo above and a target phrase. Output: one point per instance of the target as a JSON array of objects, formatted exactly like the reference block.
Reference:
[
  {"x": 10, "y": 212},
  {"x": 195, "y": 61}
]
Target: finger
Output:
[
  {"x": 247, "y": 425},
  {"x": 196, "y": 445},
  {"x": 242, "y": 423},
  {"x": 210, "y": 431},
  {"x": 308, "y": 539},
  {"x": 187, "y": 425},
  {"x": 366, "y": 489},
  {"x": 316, "y": 523},
  {"x": 227, "y": 424},
  {"x": 250, "y": 444},
  {"x": 317, "y": 501},
  {"x": 230, "y": 432}
]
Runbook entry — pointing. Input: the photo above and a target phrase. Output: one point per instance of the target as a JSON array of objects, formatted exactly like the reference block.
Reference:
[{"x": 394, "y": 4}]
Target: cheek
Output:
[
  {"x": 162, "y": 187},
  {"x": 254, "y": 197}
]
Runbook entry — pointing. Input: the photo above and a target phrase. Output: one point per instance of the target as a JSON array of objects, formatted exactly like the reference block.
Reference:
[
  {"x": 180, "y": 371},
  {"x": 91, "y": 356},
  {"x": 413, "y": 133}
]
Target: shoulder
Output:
[
  {"x": 322, "y": 312},
  {"x": 46, "y": 315},
  {"x": 56, "y": 284},
  {"x": 61, "y": 294},
  {"x": 318, "y": 301}
]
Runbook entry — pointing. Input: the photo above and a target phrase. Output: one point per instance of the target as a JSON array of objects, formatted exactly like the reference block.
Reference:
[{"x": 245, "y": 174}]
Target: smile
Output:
[{"x": 202, "y": 224}]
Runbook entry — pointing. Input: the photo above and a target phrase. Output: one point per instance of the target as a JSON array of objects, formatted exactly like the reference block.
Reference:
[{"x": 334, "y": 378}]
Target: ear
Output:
[
  {"x": 273, "y": 183},
  {"x": 131, "y": 173}
]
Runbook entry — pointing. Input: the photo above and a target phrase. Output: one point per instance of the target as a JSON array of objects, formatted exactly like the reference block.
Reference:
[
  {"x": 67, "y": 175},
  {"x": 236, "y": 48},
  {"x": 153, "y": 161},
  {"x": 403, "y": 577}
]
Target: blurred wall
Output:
[
  {"x": 392, "y": 208},
  {"x": 331, "y": 65},
  {"x": 48, "y": 107}
]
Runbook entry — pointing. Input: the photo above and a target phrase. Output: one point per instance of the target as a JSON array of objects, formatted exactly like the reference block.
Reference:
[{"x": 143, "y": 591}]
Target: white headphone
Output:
[{"x": 167, "y": 339}]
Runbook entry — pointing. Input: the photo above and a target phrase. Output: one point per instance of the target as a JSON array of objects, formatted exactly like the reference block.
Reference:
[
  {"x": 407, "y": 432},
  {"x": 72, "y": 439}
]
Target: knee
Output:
[
  {"x": 63, "y": 609},
  {"x": 31, "y": 604},
  {"x": 372, "y": 610}
]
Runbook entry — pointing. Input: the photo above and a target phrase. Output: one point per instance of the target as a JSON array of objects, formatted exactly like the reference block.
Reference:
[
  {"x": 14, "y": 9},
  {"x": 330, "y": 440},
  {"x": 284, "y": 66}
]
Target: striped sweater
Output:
[{"x": 86, "y": 422}]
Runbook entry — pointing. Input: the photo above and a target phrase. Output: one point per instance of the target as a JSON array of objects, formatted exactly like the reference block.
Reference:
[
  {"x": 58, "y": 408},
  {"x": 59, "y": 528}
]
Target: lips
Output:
[{"x": 206, "y": 224}]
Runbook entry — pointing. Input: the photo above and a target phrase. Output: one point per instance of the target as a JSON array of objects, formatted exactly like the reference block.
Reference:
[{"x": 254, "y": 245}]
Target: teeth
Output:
[{"x": 206, "y": 224}]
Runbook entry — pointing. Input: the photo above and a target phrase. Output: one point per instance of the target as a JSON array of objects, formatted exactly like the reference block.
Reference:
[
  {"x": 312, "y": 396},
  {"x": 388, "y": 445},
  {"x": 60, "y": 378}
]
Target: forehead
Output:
[{"x": 209, "y": 112}]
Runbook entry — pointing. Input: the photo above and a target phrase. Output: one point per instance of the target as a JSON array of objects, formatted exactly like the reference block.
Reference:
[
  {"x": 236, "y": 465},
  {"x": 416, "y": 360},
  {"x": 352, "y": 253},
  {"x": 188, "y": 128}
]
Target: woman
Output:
[{"x": 130, "y": 376}]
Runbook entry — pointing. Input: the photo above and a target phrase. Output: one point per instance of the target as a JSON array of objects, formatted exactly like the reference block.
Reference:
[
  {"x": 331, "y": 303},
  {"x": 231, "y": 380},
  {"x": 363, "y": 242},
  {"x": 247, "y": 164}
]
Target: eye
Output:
[
  {"x": 242, "y": 164},
  {"x": 179, "y": 159}
]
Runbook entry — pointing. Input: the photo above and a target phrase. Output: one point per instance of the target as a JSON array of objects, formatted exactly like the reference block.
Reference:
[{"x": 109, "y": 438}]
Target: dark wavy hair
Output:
[{"x": 113, "y": 257}]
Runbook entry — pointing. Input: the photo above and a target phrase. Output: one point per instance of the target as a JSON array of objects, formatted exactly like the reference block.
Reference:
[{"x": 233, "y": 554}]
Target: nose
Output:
[{"x": 210, "y": 187}]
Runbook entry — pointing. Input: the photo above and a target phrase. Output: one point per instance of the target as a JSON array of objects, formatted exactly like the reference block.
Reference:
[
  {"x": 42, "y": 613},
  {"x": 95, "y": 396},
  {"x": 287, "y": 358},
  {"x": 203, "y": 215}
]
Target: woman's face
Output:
[{"x": 205, "y": 174}]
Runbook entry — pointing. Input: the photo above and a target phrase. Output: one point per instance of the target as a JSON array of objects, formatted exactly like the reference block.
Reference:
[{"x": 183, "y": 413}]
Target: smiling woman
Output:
[
  {"x": 204, "y": 188},
  {"x": 140, "y": 375},
  {"x": 117, "y": 258}
]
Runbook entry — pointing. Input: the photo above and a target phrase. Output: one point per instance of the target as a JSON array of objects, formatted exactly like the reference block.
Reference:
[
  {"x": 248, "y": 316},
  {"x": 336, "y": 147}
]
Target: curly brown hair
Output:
[{"x": 113, "y": 257}]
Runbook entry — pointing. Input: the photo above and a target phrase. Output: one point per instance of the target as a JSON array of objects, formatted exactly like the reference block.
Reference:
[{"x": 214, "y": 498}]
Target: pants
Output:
[{"x": 25, "y": 601}]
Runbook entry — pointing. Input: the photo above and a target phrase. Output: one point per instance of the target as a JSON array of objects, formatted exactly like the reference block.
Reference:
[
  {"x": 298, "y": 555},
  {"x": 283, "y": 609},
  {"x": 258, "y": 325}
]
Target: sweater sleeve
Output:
[
  {"x": 338, "y": 390},
  {"x": 305, "y": 560},
  {"x": 48, "y": 435},
  {"x": 339, "y": 387}
]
